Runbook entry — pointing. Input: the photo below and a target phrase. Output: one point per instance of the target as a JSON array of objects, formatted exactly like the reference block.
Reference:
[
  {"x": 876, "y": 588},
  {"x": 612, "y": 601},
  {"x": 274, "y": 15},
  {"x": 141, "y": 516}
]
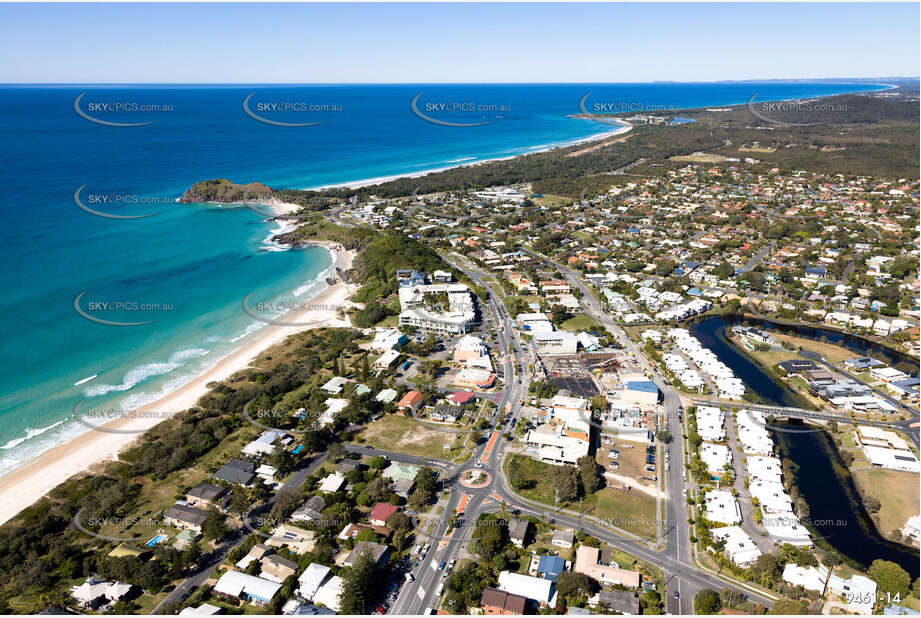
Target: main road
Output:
[{"x": 675, "y": 559}]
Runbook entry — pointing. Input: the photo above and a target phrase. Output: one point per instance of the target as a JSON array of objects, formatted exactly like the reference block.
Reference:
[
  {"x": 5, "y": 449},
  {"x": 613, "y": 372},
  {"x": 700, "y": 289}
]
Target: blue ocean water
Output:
[{"x": 193, "y": 264}]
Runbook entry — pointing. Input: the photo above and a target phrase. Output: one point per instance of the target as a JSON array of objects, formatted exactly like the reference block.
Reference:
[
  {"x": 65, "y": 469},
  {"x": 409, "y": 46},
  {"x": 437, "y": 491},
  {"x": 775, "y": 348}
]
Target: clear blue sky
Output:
[{"x": 302, "y": 43}]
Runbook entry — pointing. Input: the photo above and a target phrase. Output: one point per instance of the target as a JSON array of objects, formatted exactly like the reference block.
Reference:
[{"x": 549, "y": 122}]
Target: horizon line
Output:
[{"x": 829, "y": 80}]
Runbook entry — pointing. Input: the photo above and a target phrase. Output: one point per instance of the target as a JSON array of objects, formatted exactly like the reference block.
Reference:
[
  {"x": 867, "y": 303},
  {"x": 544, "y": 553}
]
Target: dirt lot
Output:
[
  {"x": 896, "y": 491},
  {"x": 632, "y": 463},
  {"x": 405, "y": 435}
]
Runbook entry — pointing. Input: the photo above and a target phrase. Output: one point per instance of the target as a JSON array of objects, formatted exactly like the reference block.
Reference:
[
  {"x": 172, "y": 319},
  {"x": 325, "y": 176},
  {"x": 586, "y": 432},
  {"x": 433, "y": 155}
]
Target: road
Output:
[
  {"x": 675, "y": 559},
  {"x": 203, "y": 572}
]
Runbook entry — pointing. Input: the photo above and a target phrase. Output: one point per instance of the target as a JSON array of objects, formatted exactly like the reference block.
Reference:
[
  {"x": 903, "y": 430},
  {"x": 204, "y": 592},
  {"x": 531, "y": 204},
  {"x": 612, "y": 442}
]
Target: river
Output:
[{"x": 836, "y": 513}]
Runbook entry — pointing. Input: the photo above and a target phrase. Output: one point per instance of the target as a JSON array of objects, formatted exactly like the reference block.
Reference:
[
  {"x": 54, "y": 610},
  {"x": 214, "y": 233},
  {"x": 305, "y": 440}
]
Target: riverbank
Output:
[
  {"x": 838, "y": 519},
  {"x": 896, "y": 492},
  {"x": 25, "y": 485},
  {"x": 888, "y": 352}
]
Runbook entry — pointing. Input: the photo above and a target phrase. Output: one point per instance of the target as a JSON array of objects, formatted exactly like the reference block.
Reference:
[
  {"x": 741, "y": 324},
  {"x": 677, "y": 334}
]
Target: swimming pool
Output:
[{"x": 157, "y": 539}]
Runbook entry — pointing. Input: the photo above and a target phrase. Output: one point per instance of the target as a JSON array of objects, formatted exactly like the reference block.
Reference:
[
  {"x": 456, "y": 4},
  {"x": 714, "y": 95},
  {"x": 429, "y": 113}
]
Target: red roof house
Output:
[{"x": 381, "y": 513}]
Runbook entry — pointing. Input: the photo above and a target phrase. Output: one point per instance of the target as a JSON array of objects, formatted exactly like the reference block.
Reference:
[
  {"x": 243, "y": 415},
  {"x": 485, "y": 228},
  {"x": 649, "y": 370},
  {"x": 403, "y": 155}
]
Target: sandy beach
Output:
[
  {"x": 368, "y": 182},
  {"x": 24, "y": 486}
]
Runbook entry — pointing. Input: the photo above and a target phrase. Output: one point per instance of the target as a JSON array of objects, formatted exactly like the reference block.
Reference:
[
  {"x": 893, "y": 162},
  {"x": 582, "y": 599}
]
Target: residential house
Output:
[
  {"x": 186, "y": 517},
  {"x": 243, "y": 587},
  {"x": 495, "y": 602},
  {"x": 277, "y": 569}
]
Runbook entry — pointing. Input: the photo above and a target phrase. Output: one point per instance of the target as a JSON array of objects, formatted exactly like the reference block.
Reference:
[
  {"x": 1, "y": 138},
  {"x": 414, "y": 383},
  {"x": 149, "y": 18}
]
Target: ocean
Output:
[{"x": 178, "y": 277}]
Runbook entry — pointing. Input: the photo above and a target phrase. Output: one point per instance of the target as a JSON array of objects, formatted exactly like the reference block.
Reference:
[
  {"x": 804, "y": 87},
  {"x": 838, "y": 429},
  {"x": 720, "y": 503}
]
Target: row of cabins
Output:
[
  {"x": 766, "y": 482},
  {"x": 728, "y": 386}
]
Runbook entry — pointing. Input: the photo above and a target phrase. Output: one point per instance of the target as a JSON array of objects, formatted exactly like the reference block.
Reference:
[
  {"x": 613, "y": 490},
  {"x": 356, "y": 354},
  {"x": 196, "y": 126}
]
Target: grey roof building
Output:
[{"x": 236, "y": 471}]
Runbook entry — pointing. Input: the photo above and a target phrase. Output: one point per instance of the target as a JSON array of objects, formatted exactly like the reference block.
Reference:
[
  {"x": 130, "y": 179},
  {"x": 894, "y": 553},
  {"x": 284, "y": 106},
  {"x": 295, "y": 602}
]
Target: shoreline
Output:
[
  {"x": 370, "y": 182},
  {"x": 25, "y": 485}
]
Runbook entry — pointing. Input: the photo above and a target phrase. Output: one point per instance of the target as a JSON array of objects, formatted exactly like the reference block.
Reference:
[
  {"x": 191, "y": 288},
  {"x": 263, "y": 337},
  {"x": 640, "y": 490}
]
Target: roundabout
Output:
[{"x": 475, "y": 479}]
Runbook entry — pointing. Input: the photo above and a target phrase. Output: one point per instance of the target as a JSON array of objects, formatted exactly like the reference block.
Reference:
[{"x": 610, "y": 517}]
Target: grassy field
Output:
[
  {"x": 581, "y": 322},
  {"x": 405, "y": 435},
  {"x": 633, "y": 511},
  {"x": 831, "y": 353},
  {"x": 700, "y": 157},
  {"x": 769, "y": 359},
  {"x": 896, "y": 491},
  {"x": 539, "y": 474}
]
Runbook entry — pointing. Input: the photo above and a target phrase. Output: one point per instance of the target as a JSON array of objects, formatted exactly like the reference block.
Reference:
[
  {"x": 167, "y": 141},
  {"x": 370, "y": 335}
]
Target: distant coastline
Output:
[{"x": 370, "y": 182}]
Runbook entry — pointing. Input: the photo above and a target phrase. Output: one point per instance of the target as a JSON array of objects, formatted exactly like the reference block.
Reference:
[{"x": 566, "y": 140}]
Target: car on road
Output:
[
  {"x": 676, "y": 594},
  {"x": 478, "y": 464},
  {"x": 452, "y": 563},
  {"x": 441, "y": 565}
]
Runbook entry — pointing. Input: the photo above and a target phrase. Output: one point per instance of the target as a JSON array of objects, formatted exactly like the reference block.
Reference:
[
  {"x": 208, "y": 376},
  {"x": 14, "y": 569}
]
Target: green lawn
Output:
[
  {"x": 538, "y": 474},
  {"x": 633, "y": 511},
  {"x": 405, "y": 435},
  {"x": 581, "y": 322}
]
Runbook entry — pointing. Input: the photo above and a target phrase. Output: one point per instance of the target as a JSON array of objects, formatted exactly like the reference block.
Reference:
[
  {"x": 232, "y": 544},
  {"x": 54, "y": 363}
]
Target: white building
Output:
[
  {"x": 446, "y": 308},
  {"x": 329, "y": 592},
  {"x": 716, "y": 457},
  {"x": 810, "y": 578},
  {"x": 551, "y": 343},
  {"x": 387, "y": 339},
  {"x": 785, "y": 528},
  {"x": 311, "y": 579},
  {"x": 912, "y": 528},
  {"x": 710, "y": 423},
  {"x": 534, "y": 588},
  {"x": 739, "y": 547},
  {"x": 722, "y": 507},
  {"x": 858, "y": 592},
  {"x": 246, "y": 587}
]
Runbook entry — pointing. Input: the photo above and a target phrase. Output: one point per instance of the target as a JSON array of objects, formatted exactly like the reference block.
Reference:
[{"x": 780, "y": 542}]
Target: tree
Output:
[
  {"x": 378, "y": 490},
  {"x": 490, "y": 536},
  {"x": 566, "y": 481},
  {"x": 707, "y": 601},
  {"x": 285, "y": 503},
  {"x": 377, "y": 463},
  {"x": 359, "y": 585},
  {"x": 282, "y": 460},
  {"x": 215, "y": 525},
  {"x": 890, "y": 578},
  {"x": 765, "y": 570},
  {"x": 664, "y": 436},
  {"x": 651, "y": 603},
  {"x": 575, "y": 586},
  {"x": 400, "y": 522},
  {"x": 589, "y": 474}
]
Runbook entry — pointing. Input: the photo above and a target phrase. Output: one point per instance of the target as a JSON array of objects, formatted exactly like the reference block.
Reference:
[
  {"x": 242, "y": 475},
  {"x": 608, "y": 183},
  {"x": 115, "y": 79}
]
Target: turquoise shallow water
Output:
[{"x": 197, "y": 262}]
